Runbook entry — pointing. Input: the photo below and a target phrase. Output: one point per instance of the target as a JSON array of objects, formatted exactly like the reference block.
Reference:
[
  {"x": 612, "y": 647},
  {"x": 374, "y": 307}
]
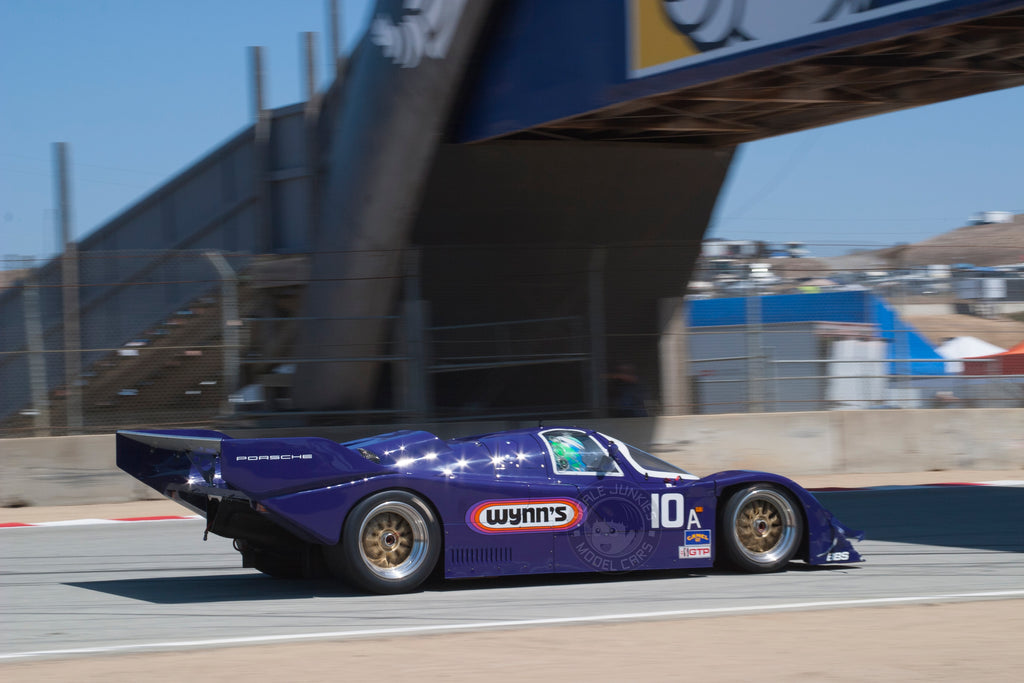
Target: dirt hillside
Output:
[
  {"x": 999, "y": 331},
  {"x": 981, "y": 245}
]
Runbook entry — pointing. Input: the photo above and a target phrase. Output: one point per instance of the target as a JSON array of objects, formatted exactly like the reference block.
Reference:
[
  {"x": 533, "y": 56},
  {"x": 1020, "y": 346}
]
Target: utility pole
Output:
[
  {"x": 261, "y": 139},
  {"x": 337, "y": 59},
  {"x": 313, "y": 101},
  {"x": 69, "y": 289},
  {"x": 309, "y": 59}
]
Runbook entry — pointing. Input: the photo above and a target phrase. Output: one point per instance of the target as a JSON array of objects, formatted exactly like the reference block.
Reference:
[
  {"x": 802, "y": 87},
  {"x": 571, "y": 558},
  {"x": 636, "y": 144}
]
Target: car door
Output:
[
  {"x": 608, "y": 534},
  {"x": 633, "y": 518},
  {"x": 503, "y": 526}
]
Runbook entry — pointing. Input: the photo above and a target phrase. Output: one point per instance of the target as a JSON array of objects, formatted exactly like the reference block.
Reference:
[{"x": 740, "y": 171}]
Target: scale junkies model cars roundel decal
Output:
[{"x": 519, "y": 515}]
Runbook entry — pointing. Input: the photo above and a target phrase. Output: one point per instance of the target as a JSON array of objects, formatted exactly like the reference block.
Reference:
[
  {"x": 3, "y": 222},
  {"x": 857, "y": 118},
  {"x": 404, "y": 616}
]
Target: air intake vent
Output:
[
  {"x": 478, "y": 556},
  {"x": 372, "y": 457}
]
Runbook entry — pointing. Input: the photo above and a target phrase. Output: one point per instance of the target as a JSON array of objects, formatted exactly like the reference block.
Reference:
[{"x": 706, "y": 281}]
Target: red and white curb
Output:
[
  {"x": 175, "y": 518},
  {"x": 896, "y": 487},
  {"x": 92, "y": 521}
]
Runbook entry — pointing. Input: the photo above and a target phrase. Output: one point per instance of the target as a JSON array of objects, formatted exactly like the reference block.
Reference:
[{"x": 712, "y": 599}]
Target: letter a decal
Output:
[{"x": 692, "y": 521}]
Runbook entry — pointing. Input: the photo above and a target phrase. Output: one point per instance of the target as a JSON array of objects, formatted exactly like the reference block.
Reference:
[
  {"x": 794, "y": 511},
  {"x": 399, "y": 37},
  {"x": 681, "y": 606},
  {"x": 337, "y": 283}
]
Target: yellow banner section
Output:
[{"x": 654, "y": 39}]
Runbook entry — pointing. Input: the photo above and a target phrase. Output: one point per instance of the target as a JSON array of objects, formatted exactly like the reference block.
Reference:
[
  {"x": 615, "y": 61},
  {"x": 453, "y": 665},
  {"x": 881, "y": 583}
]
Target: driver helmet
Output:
[{"x": 568, "y": 452}]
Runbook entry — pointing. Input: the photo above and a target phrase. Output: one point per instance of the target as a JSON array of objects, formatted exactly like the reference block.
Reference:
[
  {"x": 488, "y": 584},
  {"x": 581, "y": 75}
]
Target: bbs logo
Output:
[
  {"x": 837, "y": 557},
  {"x": 712, "y": 24}
]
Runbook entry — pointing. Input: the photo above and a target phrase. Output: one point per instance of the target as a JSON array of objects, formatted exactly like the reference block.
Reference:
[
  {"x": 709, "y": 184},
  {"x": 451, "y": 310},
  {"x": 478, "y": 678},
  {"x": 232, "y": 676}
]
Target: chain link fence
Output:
[
  {"x": 133, "y": 338},
  {"x": 108, "y": 340},
  {"x": 845, "y": 350}
]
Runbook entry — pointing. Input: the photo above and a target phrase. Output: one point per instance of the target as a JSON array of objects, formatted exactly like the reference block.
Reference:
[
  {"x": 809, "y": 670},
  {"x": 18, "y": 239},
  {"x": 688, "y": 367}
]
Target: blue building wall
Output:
[{"x": 905, "y": 342}]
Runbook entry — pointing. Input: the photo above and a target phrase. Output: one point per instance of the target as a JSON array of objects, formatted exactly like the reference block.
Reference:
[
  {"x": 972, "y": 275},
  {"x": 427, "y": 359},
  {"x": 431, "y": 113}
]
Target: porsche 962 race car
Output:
[{"x": 384, "y": 513}]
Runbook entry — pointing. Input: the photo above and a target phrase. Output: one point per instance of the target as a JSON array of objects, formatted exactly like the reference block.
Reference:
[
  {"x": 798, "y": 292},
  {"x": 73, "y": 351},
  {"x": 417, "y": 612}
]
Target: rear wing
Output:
[
  {"x": 189, "y": 465},
  {"x": 208, "y": 443}
]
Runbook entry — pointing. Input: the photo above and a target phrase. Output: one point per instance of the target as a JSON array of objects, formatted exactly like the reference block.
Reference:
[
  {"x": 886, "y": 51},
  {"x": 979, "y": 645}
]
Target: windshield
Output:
[{"x": 645, "y": 463}]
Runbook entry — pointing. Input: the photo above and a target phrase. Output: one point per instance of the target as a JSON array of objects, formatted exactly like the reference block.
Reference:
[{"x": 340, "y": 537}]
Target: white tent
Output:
[{"x": 965, "y": 347}]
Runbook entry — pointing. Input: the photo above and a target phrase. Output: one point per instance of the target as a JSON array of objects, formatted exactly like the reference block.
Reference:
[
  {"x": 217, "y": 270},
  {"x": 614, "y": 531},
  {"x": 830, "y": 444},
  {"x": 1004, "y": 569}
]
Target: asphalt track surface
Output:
[{"x": 71, "y": 591}]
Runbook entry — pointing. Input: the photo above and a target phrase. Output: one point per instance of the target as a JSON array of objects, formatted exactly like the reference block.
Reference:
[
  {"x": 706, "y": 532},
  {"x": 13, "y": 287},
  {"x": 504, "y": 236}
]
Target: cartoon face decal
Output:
[{"x": 712, "y": 24}]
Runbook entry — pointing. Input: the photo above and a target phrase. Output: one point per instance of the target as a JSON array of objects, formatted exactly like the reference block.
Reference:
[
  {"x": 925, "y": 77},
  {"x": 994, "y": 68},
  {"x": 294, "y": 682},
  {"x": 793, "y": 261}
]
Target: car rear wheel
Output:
[
  {"x": 389, "y": 544},
  {"x": 762, "y": 528}
]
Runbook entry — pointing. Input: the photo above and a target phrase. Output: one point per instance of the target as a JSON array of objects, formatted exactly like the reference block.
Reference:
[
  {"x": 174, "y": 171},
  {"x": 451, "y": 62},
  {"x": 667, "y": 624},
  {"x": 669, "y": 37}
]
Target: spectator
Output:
[{"x": 627, "y": 393}]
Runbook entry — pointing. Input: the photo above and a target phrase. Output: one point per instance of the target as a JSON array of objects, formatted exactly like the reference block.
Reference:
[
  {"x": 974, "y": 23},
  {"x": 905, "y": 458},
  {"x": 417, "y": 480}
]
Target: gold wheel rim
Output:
[
  {"x": 766, "y": 526},
  {"x": 393, "y": 540},
  {"x": 387, "y": 540},
  {"x": 759, "y": 526}
]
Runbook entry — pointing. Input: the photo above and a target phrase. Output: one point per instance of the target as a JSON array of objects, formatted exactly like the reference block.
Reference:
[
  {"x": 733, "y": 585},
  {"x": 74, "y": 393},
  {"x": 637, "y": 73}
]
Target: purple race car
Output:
[{"x": 384, "y": 513}]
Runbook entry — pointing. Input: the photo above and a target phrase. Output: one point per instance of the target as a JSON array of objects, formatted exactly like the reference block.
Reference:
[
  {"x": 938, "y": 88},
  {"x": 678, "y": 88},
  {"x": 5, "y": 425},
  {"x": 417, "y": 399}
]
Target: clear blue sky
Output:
[{"x": 141, "y": 89}]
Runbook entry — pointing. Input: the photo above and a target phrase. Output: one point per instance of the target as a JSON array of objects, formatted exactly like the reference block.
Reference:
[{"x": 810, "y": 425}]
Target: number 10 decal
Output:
[{"x": 667, "y": 510}]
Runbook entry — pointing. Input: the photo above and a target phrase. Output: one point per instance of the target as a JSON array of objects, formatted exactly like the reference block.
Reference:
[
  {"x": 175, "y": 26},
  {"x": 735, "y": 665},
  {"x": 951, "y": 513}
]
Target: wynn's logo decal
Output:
[{"x": 541, "y": 514}]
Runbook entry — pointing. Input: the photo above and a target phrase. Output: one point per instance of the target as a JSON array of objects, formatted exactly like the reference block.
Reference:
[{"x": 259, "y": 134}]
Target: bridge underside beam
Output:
[{"x": 944, "y": 63}]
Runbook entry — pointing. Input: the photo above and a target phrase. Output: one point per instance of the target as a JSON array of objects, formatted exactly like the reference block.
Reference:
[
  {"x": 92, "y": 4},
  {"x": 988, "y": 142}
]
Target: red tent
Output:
[{"x": 1009, "y": 362}]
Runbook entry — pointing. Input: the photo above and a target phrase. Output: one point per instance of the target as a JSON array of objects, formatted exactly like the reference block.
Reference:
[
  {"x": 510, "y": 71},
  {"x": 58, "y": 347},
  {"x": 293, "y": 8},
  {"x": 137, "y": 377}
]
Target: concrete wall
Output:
[
  {"x": 64, "y": 470},
  {"x": 80, "y": 469},
  {"x": 840, "y": 442}
]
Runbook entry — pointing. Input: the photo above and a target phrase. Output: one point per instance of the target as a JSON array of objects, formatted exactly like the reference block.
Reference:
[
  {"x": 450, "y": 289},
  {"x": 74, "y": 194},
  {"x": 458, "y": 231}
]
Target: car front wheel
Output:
[{"x": 762, "y": 528}]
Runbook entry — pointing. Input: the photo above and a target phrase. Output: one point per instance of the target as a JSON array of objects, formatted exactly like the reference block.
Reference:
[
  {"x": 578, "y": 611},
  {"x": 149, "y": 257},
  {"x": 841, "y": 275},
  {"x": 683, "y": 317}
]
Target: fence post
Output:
[
  {"x": 672, "y": 350},
  {"x": 413, "y": 383},
  {"x": 755, "y": 355},
  {"x": 598, "y": 347},
  {"x": 412, "y": 374},
  {"x": 36, "y": 359},
  {"x": 231, "y": 323}
]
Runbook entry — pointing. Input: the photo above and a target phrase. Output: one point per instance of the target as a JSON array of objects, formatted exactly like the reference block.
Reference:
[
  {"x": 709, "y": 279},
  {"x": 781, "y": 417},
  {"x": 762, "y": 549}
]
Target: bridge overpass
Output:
[{"x": 498, "y": 203}]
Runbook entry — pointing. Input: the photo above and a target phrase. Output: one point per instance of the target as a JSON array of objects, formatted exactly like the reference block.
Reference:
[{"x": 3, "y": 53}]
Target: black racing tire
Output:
[
  {"x": 280, "y": 564},
  {"x": 761, "y": 528},
  {"x": 278, "y": 567},
  {"x": 390, "y": 543}
]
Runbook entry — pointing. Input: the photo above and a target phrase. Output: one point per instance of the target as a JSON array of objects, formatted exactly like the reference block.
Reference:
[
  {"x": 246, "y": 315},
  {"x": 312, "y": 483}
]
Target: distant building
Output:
[
  {"x": 718, "y": 248},
  {"x": 794, "y": 352},
  {"x": 988, "y": 217},
  {"x": 797, "y": 250}
]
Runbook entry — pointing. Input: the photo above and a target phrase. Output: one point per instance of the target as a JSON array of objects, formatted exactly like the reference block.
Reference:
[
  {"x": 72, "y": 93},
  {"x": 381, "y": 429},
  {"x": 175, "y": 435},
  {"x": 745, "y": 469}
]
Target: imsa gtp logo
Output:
[
  {"x": 511, "y": 516},
  {"x": 696, "y": 543}
]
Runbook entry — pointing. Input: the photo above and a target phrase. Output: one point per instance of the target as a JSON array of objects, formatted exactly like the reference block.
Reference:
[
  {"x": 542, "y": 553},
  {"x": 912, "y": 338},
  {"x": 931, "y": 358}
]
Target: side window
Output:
[{"x": 575, "y": 452}]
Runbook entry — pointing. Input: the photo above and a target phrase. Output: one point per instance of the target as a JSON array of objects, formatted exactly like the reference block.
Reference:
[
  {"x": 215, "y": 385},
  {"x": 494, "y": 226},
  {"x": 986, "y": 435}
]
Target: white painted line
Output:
[
  {"x": 74, "y": 522},
  {"x": 899, "y": 487},
  {"x": 96, "y": 521},
  {"x": 480, "y": 625},
  {"x": 86, "y": 522}
]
